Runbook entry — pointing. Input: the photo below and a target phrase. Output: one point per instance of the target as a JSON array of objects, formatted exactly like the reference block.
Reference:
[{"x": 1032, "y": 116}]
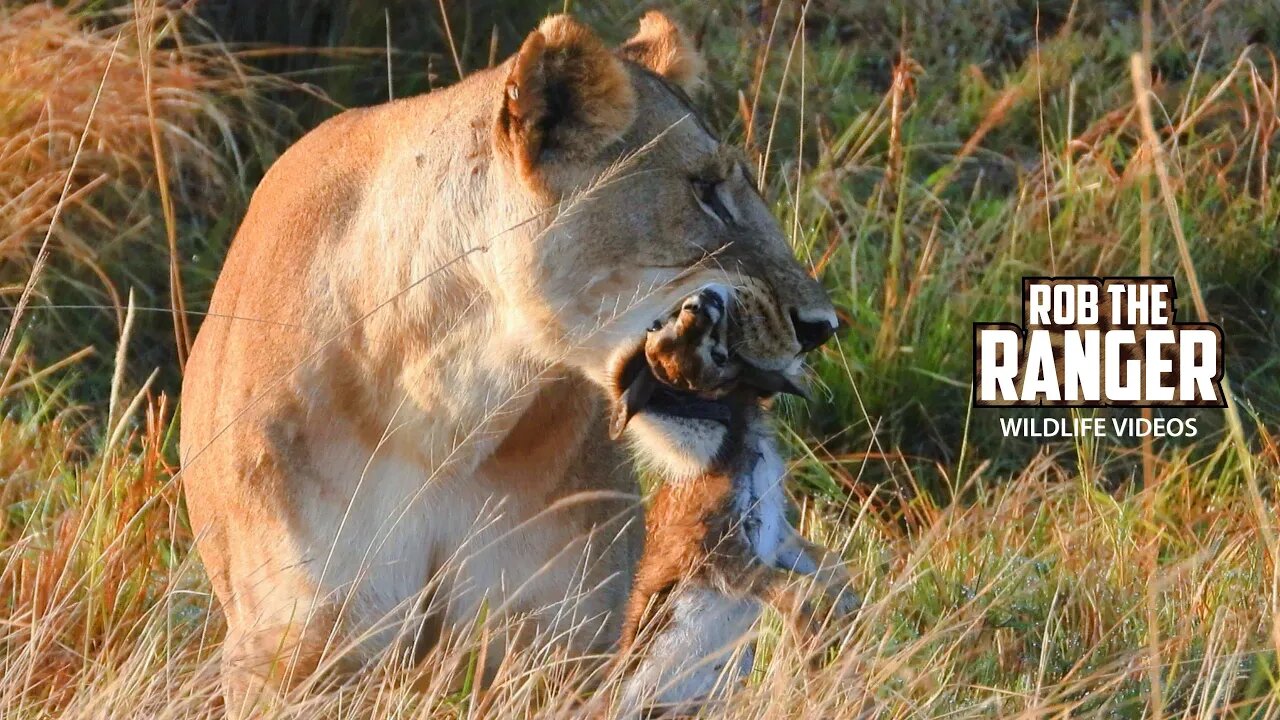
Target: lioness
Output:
[{"x": 395, "y": 413}]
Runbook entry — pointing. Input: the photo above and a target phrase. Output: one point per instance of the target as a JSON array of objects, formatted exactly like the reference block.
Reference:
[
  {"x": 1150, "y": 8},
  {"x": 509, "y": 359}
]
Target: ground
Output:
[{"x": 923, "y": 156}]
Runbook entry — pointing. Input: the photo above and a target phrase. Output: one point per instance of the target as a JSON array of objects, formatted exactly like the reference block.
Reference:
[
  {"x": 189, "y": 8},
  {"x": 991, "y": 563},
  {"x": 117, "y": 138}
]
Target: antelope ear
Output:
[
  {"x": 664, "y": 48},
  {"x": 566, "y": 98},
  {"x": 634, "y": 386}
]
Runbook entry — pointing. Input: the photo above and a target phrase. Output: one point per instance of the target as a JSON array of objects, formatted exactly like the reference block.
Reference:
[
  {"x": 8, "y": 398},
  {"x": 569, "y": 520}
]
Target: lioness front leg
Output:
[{"x": 278, "y": 638}]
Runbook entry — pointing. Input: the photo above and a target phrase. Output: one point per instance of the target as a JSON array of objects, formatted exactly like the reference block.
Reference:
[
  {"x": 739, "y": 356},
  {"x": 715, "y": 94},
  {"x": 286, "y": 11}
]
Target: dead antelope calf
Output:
[{"x": 718, "y": 543}]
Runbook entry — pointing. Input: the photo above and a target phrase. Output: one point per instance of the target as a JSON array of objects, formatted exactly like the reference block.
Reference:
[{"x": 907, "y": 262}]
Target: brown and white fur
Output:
[{"x": 718, "y": 543}]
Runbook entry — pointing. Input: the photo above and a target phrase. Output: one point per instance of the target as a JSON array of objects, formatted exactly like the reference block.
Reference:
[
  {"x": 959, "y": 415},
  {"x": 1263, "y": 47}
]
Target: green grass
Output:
[{"x": 1003, "y": 578}]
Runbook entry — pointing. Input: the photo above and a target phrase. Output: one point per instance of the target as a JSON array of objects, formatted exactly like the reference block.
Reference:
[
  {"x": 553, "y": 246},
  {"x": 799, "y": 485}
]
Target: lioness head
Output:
[{"x": 642, "y": 203}]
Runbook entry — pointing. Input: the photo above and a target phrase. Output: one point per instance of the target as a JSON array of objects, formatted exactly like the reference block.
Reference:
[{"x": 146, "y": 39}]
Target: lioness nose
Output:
[{"x": 812, "y": 332}]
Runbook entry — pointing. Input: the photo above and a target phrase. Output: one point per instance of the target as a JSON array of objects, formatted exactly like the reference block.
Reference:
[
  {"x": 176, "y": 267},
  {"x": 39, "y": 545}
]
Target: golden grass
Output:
[
  {"x": 99, "y": 115},
  {"x": 55, "y": 72},
  {"x": 1028, "y": 602},
  {"x": 1050, "y": 590}
]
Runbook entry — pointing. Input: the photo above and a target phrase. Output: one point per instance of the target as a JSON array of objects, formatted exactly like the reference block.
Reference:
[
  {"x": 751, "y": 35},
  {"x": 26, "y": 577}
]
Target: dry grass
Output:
[
  {"x": 1030, "y": 601},
  {"x": 1085, "y": 578},
  {"x": 63, "y": 81},
  {"x": 102, "y": 116}
]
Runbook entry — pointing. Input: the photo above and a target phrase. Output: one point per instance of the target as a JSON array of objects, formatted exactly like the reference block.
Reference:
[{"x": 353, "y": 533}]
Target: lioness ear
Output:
[
  {"x": 664, "y": 48},
  {"x": 566, "y": 97}
]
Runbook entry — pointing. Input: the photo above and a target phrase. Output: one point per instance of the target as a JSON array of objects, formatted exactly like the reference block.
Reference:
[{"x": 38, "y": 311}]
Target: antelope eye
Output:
[{"x": 707, "y": 193}]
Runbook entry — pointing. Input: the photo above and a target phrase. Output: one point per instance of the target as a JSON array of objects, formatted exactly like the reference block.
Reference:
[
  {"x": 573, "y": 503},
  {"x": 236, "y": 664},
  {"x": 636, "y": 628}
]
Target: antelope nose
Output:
[{"x": 811, "y": 332}]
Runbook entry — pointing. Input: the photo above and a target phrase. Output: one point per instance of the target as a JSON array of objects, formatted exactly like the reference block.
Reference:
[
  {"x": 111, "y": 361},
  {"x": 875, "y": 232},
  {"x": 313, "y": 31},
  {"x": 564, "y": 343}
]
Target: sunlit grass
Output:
[
  {"x": 1043, "y": 593},
  {"x": 1002, "y": 578}
]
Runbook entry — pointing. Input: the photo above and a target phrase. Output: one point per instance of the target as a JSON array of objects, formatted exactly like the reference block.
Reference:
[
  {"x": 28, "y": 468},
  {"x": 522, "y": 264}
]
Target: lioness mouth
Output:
[{"x": 639, "y": 390}]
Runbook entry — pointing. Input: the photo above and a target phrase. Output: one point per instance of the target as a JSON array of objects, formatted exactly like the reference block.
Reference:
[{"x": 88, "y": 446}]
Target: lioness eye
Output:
[{"x": 708, "y": 195}]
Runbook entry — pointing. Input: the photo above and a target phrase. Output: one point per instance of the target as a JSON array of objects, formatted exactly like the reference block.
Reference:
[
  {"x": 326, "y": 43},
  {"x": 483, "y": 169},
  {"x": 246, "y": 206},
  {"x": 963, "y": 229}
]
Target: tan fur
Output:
[
  {"x": 759, "y": 331},
  {"x": 678, "y": 523},
  {"x": 694, "y": 528},
  {"x": 563, "y": 58},
  {"x": 400, "y": 380},
  {"x": 718, "y": 543},
  {"x": 693, "y": 535},
  {"x": 663, "y": 47}
]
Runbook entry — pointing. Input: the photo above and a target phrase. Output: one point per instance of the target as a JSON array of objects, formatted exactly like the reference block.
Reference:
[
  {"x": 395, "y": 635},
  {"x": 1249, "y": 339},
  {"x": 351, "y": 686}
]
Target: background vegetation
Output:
[{"x": 923, "y": 154}]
